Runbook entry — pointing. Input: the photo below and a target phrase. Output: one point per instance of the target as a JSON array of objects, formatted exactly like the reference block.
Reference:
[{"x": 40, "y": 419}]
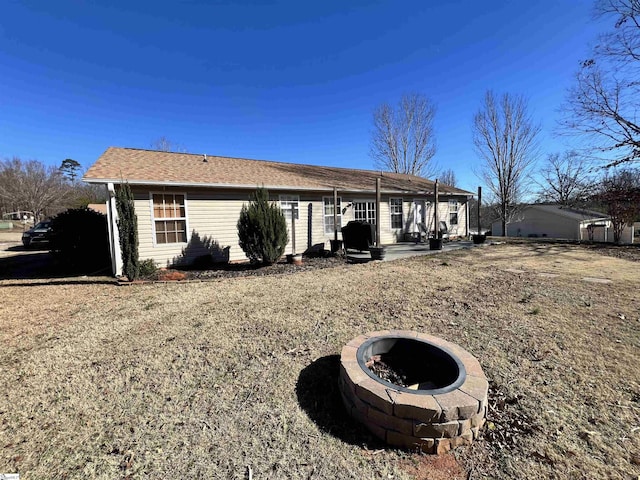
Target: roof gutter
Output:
[{"x": 153, "y": 183}]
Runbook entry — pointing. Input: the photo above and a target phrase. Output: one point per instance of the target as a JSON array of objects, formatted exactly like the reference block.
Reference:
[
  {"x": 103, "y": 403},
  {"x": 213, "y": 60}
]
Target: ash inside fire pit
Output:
[
  {"x": 411, "y": 364},
  {"x": 383, "y": 367}
]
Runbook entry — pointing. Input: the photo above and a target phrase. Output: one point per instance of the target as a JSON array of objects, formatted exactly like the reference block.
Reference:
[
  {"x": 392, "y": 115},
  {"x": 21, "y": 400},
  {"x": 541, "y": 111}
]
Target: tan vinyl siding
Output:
[
  {"x": 301, "y": 222},
  {"x": 213, "y": 215},
  {"x": 443, "y": 214},
  {"x": 216, "y": 216},
  {"x": 384, "y": 217}
]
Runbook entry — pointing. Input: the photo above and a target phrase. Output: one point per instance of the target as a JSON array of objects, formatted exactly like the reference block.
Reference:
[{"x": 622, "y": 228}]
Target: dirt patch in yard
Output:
[{"x": 211, "y": 379}]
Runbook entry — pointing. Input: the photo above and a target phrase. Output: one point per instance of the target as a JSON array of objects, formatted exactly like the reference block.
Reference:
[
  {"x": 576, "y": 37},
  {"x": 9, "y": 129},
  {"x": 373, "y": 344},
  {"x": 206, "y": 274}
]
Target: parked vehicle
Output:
[{"x": 40, "y": 235}]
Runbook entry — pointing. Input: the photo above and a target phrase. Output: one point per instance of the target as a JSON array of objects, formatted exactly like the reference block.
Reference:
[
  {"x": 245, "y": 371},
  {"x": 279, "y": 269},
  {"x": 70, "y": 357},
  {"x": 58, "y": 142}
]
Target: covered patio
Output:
[{"x": 410, "y": 249}]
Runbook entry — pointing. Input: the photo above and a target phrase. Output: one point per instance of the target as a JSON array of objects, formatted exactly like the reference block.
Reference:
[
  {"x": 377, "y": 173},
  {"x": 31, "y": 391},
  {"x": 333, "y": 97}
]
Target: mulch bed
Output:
[{"x": 247, "y": 270}]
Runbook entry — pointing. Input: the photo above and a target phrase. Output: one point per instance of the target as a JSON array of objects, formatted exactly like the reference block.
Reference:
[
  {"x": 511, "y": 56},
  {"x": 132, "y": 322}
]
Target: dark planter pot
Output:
[
  {"x": 478, "y": 239},
  {"x": 435, "y": 244},
  {"x": 336, "y": 245},
  {"x": 377, "y": 253},
  {"x": 295, "y": 259}
]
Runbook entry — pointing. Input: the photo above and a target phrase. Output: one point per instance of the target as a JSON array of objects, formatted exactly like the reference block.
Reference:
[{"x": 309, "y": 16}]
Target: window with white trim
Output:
[
  {"x": 169, "y": 218},
  {"x": 453, "y": 212},
  {"x": 328, "y": 214},
  {"x": 365, "y": 212},
  {"x": 395, "y": 210},
  {"x": 287, "y": 203}
]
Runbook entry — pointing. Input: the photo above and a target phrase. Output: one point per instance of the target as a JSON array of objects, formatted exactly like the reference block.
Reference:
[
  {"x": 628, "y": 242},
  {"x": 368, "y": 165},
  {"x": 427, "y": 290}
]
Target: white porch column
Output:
[
  {"x": 466, "y": 218},
  {"x": 114, "y": 233}
]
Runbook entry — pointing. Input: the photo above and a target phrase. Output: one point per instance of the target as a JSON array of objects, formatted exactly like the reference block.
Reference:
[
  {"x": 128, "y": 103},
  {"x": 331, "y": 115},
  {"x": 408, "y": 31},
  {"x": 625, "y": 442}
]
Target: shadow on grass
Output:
[
  {"x": 40, "y": 264},
  {"x": 319, "y": 396}
]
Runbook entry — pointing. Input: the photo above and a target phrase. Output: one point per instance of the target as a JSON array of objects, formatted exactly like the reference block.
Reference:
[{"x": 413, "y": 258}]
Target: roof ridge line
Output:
[{"x": 381, "y": 172}]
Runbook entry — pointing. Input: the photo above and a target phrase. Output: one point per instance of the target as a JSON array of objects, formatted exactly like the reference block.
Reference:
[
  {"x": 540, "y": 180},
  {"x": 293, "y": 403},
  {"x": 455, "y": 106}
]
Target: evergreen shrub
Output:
[
  {"x": 128, "y": 229},
  {"x": 262, "y": 229},
  {"x": 80, "y": 240}
]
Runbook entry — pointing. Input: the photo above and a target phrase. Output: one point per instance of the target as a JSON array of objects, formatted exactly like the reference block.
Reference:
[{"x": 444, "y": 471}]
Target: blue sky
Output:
[{"x": 279, "y": 80}]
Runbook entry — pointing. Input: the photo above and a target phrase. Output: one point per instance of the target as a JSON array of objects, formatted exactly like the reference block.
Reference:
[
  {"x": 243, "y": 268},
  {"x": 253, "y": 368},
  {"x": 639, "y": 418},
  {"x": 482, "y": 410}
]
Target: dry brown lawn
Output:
[{"x": 216, "y": 379}]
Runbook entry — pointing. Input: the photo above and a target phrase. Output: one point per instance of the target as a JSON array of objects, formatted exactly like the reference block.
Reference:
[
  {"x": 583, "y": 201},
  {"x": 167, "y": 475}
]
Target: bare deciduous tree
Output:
[
  {"x": 565, "y": 179},
  {"x": 30, "y": 185},
  {"x": 619, "y": 193},
  {"x": 163, "y": 144},
  {"x": 602, "y": 106},
  {"x": 403, "y": 139},
  {"x": 505, "y": 137},
  {"x": 448, "y": 177}
]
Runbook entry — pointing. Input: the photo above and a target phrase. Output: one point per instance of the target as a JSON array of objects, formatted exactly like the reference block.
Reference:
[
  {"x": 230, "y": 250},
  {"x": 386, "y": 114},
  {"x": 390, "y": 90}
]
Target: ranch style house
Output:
[{"x": 188, "y": 205}]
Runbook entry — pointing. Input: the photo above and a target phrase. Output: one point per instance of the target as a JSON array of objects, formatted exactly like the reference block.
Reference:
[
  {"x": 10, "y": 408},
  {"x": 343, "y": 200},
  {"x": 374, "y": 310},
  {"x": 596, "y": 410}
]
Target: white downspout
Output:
[{"x": 114, "y": 233}]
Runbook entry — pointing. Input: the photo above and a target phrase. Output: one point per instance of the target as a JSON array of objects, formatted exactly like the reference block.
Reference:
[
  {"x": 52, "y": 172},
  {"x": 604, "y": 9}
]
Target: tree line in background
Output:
[
  {"x": 30, "y": 185},
  {"x": 600, "y": 110}
]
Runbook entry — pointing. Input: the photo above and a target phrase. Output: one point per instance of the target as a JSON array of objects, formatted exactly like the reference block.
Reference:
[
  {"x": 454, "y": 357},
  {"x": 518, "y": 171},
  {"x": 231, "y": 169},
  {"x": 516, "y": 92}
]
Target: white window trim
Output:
[
  {"x": 401, "y": 214},
  {"x": 153, "y": 219},
  {"x": 428, "y": 212},
  {"x": 367, "y": 201},
  {"x": 455, "y": 210},
  {"x": 285, "y": 210},
  {"x": 324, "y": 225}
]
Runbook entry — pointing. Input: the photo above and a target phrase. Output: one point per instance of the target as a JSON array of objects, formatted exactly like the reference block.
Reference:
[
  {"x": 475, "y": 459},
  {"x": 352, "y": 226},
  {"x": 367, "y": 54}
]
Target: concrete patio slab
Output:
[{"x": 410, "y": 249}]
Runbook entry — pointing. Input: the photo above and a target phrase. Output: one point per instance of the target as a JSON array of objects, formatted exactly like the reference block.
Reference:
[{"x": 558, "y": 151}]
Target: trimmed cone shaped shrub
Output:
[{"x": 262, "y": 229}]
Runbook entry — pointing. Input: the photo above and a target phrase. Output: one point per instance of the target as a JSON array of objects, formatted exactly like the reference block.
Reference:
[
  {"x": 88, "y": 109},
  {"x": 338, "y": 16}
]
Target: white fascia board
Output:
[{"x": 152, "y": 183}]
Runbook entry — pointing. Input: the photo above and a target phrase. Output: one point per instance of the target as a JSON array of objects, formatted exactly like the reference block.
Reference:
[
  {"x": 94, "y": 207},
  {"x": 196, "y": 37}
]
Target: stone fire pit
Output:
[{"x": 414, "y": 390}]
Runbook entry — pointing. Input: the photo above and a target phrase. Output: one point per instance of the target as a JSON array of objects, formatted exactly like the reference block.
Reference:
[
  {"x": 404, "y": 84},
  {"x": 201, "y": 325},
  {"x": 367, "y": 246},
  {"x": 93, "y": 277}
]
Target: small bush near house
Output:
[
  {"x": 262, "y": 229},
  {"x": 81, "y": 241},
  {"x": 147, "y": 268}
]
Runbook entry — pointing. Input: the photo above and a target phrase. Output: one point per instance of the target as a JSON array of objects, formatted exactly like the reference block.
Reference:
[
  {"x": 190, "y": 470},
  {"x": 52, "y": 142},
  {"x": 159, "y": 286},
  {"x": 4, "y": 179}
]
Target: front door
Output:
[{"x": 419, "y": 215}]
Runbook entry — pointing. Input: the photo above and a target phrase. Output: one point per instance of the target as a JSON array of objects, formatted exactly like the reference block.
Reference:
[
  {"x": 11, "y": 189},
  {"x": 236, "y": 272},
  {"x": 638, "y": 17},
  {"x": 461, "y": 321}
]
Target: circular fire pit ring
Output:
[{"x": 414, "y": 390}]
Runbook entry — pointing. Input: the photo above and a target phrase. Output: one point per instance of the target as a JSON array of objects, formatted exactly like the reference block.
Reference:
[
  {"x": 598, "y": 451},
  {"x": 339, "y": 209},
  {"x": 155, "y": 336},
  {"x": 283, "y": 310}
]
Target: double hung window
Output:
[
  {"x": 288, "y": 203},
  {"x": 169, "y": 218},
  {"x": 328, "y": 210},
  {"x": 395, "y": 209},
  {"x": 453, "y": 212}
]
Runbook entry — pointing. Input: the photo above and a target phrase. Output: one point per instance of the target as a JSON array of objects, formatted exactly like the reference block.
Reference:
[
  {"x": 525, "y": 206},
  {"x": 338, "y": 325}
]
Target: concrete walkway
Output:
[{"x": 409, "y": 249}]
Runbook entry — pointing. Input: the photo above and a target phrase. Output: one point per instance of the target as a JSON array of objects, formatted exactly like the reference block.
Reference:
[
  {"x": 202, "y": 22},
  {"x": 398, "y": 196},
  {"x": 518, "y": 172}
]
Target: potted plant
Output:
[
  {"x": 435, "y": 243},
  {"x": 294, "y": 258},
  {"x": 478, "y": 238},
  {"x": 377, "y": 253},
  {"x": 336, "y": 245}
]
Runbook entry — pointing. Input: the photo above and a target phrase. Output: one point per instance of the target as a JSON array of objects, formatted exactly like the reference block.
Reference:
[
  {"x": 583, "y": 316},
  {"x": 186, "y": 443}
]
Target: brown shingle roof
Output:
[{"x": 149, "y": 167}]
